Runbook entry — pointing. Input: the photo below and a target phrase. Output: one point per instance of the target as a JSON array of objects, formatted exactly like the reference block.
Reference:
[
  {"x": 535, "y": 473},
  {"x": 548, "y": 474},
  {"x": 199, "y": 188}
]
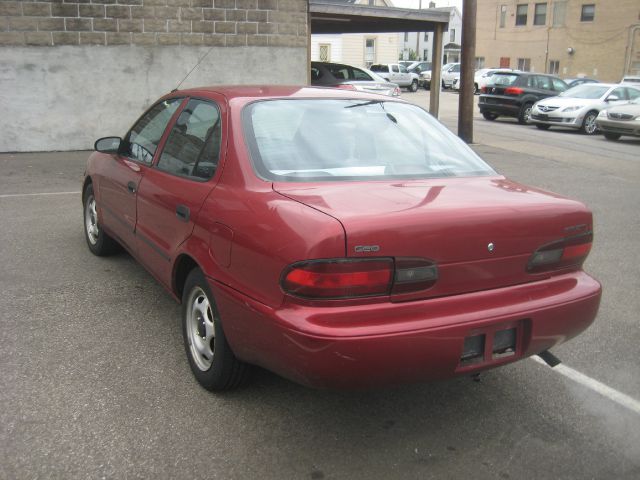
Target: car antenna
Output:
[{"x": 190, "y": 71}]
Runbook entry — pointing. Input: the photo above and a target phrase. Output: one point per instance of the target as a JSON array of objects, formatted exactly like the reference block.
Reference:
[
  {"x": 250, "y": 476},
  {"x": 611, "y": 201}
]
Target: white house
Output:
[{"x": 422, "y": 42}]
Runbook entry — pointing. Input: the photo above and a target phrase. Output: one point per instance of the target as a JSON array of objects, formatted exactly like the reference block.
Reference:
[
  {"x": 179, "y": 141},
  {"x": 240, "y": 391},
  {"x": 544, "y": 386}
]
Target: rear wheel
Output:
[
  {"x": 541, "y": 126},
  {"x": 612, "y": 136},
  {"x": 589, "y": 126},
  {"x": 99, "y": 242},
  {"x": 414, "y": 86},
  {"x": 212, "y": 362},
  {"x": 489, "y": 115},
  {"x": 524, "y": 117}
]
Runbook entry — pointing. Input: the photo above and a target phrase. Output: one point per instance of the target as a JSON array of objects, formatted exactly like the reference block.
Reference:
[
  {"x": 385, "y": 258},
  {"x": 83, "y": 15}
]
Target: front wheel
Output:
[
  {"x": 211, "y": 360},
  {"x": 589, "y": 126},
  {"x": 414, "y": 86},
  {"x": 524, "y": 117},
  {"x": 612, "y": 136},
  {"x": 489, "y": 116},
  {"x": 98, "y": 241}
]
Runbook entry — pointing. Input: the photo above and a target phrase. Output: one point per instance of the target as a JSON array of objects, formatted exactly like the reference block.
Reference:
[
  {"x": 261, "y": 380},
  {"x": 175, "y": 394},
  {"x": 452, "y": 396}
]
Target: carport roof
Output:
[{"x": 343, "y": 16}]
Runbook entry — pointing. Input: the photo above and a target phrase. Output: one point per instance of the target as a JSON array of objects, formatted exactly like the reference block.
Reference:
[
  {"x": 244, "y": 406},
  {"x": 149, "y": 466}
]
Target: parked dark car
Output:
[
  {"x": 346, "y": 77},
  {"x": 338, "y": 238},
  {"x": 574, "y": 82},
  {"x": 512, "y": 94}
]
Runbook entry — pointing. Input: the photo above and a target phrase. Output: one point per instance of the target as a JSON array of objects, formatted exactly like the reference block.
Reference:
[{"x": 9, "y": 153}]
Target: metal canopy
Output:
[{"x": 335, "y": 16}]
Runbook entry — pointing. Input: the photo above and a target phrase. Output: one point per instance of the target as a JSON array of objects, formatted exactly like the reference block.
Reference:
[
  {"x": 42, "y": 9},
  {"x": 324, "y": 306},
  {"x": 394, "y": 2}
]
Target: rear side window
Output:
[
  {"x": 334, "y": 140},
  {"x": 193, "y": 147},
  {"x": 394, "y": 68},
  {"x": 379, "y": 68},
  {"x": 144, "y": 137}
]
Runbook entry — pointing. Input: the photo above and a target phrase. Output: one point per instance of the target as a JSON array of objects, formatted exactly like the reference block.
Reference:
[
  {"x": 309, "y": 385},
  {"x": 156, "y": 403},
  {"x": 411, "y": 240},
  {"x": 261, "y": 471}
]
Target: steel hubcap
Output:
[
  {"x": 200, "y": 329},
  {"x": 91, "y": 220}
]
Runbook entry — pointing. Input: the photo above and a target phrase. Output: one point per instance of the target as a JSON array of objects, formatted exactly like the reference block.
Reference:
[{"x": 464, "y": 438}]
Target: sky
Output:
[{"x": 425, "y": 3}]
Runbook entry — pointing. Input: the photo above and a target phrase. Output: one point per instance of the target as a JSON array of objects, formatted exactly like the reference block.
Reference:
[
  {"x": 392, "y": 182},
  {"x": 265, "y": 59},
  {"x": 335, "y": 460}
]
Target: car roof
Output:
[{"x": 252, "y": 92}]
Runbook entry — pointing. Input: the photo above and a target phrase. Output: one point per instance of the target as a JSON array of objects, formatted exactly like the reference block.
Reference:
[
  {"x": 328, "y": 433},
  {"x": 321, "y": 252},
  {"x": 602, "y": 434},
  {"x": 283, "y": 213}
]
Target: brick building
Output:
[{"x": 594, "y": 38}]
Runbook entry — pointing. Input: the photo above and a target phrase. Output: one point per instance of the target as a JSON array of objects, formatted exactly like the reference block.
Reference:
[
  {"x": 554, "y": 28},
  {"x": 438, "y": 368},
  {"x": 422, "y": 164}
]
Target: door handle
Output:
[
  {"x": 183, "y": 213},
  {"x": 131, "y": 186}
]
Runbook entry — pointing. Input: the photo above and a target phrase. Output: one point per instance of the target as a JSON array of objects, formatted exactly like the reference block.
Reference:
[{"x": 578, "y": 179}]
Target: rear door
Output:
[
  {"x": 171, "y": 194},
  {"x": 118, "y": 189}
]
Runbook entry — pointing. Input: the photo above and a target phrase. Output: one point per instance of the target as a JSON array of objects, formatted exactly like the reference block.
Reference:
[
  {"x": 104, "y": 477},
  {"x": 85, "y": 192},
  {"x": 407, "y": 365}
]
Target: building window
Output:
[
  {"x": 521, "y": 14},
  {"x": 370, "y": 51},
  {"x": 406, "y": 37},
  {"x": 425, "y": 54},
  {"x": 503, "y": 16},
  {"x": 588, "y": 13},
  {"x": 554, "y": 67},
  {"x": 452, "y": 35},
  {"x": 524, "y": 64},
  {"x": 426, "y": 37},
  {"x": 559, "y": 13},
  {"x": 540, "y": 14},
  {"x": 325, "y": 52},
  {"x": 505, "y": 62},
  {"x": 479, "y": 63}
]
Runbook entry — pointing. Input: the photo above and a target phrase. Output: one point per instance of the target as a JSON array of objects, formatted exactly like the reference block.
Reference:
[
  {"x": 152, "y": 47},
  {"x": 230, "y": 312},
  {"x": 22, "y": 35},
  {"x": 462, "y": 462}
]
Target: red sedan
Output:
[{"x": 339, "y": 239}]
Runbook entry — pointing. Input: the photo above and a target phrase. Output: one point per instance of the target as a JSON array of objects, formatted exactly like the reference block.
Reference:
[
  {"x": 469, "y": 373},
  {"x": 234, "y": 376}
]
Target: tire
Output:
[
  {"x": 489, "y": 116},
  {"x": 524, "y": 116},
  {"x": 98, "y": 241},
  {"x": 444, "y": 87},
  {"x": 542, "y": 126},
  {"x": 427, "y": 86},
  {"x": 612, "y": 136},
  {"x": 414, "y": 86},
  {"x": 212, "y": 362},
  {"x": 589, "y": 126},
  {"x": 475, "y": 88}
]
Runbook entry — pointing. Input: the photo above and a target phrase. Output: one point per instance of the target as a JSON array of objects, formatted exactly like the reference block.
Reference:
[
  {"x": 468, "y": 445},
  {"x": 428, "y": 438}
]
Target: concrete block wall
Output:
[{"x": 73, "y": 71}]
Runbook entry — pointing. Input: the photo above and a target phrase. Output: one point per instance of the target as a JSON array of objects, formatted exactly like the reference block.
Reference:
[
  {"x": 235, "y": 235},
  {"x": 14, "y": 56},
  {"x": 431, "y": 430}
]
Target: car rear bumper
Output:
[
  {"x": 621, "y": 127},
  {"x": 499, "y": 105},
  {"x": 392, "y": 343}
]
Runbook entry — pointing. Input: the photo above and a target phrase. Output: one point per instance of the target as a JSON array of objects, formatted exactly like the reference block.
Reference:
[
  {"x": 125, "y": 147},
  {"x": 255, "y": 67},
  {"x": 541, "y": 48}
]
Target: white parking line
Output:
[
  {"x": 38, "y": 194},
  {"x": 592, "y": 384}
]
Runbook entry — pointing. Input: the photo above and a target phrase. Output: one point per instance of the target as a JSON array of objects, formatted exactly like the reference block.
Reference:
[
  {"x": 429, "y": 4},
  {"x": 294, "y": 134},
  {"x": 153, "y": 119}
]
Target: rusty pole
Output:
[{"x": 467, "y": 69}]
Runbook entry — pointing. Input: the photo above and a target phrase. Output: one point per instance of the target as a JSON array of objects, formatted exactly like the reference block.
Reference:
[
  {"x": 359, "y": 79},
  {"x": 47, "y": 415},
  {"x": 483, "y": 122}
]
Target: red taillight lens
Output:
[
  {"x": 484, "y": 89},
  {"x": 361, "y": 277},
  {"x": 345, "y": 86},
  {"x": 513, "y": 91},
  {"x": 569, "y": 252}
]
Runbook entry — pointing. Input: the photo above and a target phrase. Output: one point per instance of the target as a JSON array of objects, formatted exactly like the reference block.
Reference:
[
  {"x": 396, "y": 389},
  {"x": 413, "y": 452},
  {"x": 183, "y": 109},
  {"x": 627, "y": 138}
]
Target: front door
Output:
[
  {"x": 118, "y": 190},
  {"x": 171, "y": 194}
]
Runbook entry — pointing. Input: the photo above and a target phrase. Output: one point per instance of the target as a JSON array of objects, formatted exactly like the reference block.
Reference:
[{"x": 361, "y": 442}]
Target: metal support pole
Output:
[
  {"x": 465, "y": 104},
  {"x": 418, "y": 38},
  {"x": 436, "y": 72}
]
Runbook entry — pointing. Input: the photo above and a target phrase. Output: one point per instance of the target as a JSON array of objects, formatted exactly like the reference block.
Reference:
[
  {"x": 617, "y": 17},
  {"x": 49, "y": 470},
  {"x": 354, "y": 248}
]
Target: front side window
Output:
[
  {"x": 395, "y": 69},
  {"x": 143, "y": 139},
  {"x": 540, "y": 14},
  {"x": 193, "y": 147},
  {"x": 544, "y": 82},
  {"x": 621, "y": 93},
  {"x": 559, "y": 85},
  {"x": 336, "y": 140},
  {"x": 588, "y": 13},
  {"x": 521, "y": 14},
  {"x": 633, "y": 93}
]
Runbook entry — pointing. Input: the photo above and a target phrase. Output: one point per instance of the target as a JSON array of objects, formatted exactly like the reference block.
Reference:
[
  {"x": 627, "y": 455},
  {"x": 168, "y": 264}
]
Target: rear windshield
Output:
[
  {"x": 504, "y": 78},
  {"x": 327, "y": 139},
  {"x": 379, "y": 68},
  {"x": 590, "y": 92}
]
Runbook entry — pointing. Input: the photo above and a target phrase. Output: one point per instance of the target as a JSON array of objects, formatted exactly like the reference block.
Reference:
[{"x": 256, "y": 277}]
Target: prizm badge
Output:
[
  {"x": 367, "y": 248},
  {"x": 491, "y": 247}
]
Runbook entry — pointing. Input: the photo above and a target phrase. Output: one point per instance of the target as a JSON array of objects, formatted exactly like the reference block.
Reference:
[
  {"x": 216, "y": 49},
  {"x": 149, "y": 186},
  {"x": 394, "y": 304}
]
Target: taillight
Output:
[
  {"x": 396, "y": 92},
  {"x": 484, "y": 89},
  {"x": 569, "y": 252},
  {"x": 513, "y": 91},
  {"x": 361, "y": 277},
  {"x": 345, "y": 86}
]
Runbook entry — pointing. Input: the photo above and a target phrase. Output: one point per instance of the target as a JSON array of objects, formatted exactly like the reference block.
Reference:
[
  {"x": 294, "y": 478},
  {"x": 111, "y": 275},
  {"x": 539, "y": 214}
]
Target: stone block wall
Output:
[{"x": 235, "y": 23}]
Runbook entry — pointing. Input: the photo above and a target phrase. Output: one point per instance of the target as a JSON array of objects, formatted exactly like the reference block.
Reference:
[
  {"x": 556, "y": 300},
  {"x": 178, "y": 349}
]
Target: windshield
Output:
[
  {"x": 585, "y": 91},
  {"x": 503, "y": 78},
  {"x": 327, "y": 139}
]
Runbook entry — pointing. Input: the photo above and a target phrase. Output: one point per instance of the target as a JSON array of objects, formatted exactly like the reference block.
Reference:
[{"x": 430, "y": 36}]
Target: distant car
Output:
[
  {"x": 579, "y": 106},
  {"x": 406, "y": 63},
  {"x": 512, "y": 94},
  {"x": 419, "y": 67},
  {"x": 574, "y": 82},
  {"x": 480, "y": 78},
  {"x": 397, "y": 74},
  {"x": 337, "y": 75},
  {"x": 450, "y": 72},
  {"x": 618, "y": 121},
  {"x": 632, "y": 79},
  {"x": 338, "y": 238}
]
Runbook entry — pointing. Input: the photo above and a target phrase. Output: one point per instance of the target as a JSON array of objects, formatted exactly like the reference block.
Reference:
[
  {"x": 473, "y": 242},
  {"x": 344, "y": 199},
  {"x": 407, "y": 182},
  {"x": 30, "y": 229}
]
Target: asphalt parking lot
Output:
[{"x": 95, "y": 384}]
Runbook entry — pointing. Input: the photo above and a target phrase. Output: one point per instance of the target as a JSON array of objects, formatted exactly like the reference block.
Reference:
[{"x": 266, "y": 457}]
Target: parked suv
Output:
[
  {"x": 512, "y": 94},
  {"x": 398, "y": 74}
]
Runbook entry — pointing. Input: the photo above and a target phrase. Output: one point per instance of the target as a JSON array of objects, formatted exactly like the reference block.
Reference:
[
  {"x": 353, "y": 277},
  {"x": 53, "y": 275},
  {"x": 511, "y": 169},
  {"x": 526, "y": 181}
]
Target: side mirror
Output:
[
  {"x": 612, "y": 98},
  {"x": 108, "y": 145},
  {"x": 418, "y": 70}
]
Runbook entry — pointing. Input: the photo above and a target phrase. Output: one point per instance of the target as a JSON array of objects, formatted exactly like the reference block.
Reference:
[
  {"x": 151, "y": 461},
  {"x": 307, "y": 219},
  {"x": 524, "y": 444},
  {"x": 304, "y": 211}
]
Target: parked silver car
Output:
[
  {"x": 579, "y": 106},
  {"x": 338, "y": 75},
  {"x": 622, "y": 120}
]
